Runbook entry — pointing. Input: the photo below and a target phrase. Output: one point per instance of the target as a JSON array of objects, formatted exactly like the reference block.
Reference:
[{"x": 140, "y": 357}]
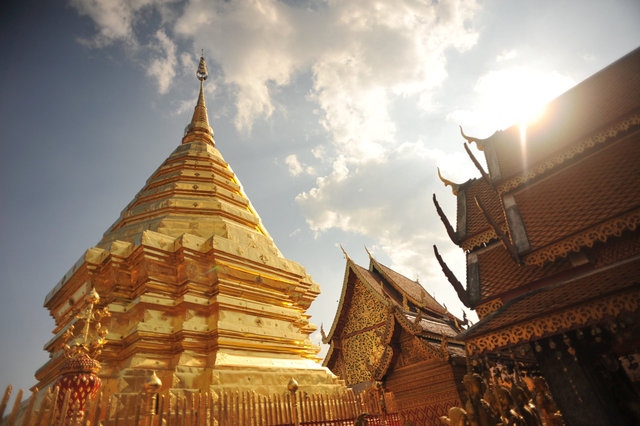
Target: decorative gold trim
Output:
[
  {"x": 478, "y": 240},
  {"x": 574, "y": 150},
  {"x": 571, "y": 318},
  {"x": 384, "y": 361},
  {"x": 612, "y": 227},
  {"x": 486, "y": 308},
  {"x": 341, "y": 302}
]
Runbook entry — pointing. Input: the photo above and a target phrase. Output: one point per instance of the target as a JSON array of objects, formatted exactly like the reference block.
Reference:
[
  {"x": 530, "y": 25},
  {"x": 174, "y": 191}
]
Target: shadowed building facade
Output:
[
  {"x": 196, "y": 287},
  {"x": 552, "y": 244},
  {"x": 389, "y": 332}
]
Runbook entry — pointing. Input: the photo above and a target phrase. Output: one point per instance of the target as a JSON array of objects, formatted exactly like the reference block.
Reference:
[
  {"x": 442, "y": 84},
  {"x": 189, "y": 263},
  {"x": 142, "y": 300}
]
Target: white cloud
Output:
[
  {"x": 295, "y": 232},
  {"x": 390, "y": 202},
  {"x": 379, "y": 200},
  {"x": 115, "y": 20},
  {"x": 188, "y": 62},
  {"x": 507, "y": 55},
  {"x": 163, "y": 66},
  {"x": 386, "y": 51},
  {"x": 252, "y": 43},
  {"x": 362, "y": 55},
  {"x": 295, "y": 168}
]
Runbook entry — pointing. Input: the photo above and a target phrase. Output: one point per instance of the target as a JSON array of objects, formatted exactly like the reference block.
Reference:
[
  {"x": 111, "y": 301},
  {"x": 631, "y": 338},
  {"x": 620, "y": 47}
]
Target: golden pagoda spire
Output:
[{"x": 199, "y": 128}]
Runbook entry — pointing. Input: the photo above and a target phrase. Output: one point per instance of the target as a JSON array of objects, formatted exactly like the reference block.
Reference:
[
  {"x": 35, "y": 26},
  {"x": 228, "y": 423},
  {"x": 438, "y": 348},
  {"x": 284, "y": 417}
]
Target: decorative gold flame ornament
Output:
[{"x": 80, "y": 368}]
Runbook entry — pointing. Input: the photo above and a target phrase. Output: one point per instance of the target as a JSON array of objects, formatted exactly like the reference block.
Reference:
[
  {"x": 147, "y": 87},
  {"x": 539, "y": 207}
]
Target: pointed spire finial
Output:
[
  {"x": 199, "y": 128},
  {"x": 345, "y": 252},
  {"x": 202, "y": 73}
]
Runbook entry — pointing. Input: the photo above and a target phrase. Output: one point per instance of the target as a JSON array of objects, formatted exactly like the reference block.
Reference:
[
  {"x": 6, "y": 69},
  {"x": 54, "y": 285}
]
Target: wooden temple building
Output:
[
  {"x": 389, "y": 333},
  {"x": 196, "y": 288},
  {"x": 552, "y": 241}
]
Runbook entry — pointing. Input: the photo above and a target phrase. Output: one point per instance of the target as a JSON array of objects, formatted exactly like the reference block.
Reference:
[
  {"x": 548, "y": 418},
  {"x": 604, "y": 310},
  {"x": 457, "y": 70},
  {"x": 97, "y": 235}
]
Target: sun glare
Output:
[{"x": 518, "y": 95}]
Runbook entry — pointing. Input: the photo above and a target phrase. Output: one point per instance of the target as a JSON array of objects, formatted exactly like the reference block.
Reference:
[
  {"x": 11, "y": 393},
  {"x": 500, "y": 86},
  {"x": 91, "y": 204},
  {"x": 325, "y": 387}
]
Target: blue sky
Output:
[{"x": 334, "y": 116}]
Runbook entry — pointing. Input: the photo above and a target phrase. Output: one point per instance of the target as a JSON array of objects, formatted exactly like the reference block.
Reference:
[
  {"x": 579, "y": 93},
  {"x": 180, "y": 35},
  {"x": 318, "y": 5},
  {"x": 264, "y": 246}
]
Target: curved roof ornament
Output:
[
  {"x": 461, "y": 291},
  {"x": 454, "y": 186},
  {"x": 506, "y": 241},
  {"x": 368, "y": 252},
  {"x": 345, "y": 252},
  {"x": 479, "y": 142},
  {"x": 450, "y": 232},
  {"x": 476, "y": 163}
]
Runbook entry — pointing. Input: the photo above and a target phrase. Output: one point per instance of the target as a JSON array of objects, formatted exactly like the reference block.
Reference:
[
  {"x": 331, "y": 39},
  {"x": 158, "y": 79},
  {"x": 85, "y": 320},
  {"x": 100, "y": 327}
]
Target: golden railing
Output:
[{"x": 200, "y": 409}]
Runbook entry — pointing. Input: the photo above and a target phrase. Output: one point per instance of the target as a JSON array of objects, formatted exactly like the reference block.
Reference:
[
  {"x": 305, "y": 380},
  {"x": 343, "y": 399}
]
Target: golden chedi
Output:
[{"x": 196, "y": 287}]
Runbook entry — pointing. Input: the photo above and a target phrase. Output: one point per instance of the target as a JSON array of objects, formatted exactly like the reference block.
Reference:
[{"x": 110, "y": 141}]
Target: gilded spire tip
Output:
[
  {"x": 202, "y": 73},
  {"x": 199, "y": 128}
]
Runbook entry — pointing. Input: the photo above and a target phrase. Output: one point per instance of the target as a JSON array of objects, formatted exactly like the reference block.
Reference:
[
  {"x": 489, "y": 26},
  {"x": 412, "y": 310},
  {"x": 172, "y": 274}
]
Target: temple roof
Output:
[
  {"x": 401, "y": 306},
  {"x": 409, "y": 288},
  {"x": 578, "y": 127},
  {"x": 386, "y": 285},
  {"x": 500, "y": 274},
  {"x": 571, "y": 303},
  {"x": 552, "y": 201},
  {"x": 583, "y": 195},
  {"x": 590, "y": 106}
]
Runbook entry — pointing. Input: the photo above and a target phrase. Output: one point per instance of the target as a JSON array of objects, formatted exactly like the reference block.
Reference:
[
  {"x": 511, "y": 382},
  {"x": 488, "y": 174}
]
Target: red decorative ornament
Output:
[{"x": 80, "y": 380}]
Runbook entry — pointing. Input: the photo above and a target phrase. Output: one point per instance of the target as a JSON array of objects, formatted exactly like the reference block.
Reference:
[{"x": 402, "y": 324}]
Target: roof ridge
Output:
[{"x": 419, "y": 301}]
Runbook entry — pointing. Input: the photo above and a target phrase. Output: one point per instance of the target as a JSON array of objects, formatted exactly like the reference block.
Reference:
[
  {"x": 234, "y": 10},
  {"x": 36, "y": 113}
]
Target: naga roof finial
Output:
[
  {"x": 368, "y": 252},
  {"x": 476, "y": 163},
  {"x": 479, "y": 142},
  {"x": 506, "y": 240},
  {"x": 323, "y": 334},
  {"x": 445, "y": 221},
  {"x": 454, "y": 186},
  {"x": 345, "y": 252},
  {"x": 462, "y": 292}
]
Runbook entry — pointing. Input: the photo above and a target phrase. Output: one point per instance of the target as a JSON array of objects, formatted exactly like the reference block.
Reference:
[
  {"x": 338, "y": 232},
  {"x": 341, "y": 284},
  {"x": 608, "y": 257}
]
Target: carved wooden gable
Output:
[{"x": 365, "y": 325}]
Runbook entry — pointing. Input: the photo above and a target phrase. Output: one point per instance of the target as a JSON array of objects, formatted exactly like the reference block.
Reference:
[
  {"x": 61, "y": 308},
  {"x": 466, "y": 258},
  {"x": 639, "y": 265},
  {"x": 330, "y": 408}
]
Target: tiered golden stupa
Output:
[{"x": 197, "y": 289}]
